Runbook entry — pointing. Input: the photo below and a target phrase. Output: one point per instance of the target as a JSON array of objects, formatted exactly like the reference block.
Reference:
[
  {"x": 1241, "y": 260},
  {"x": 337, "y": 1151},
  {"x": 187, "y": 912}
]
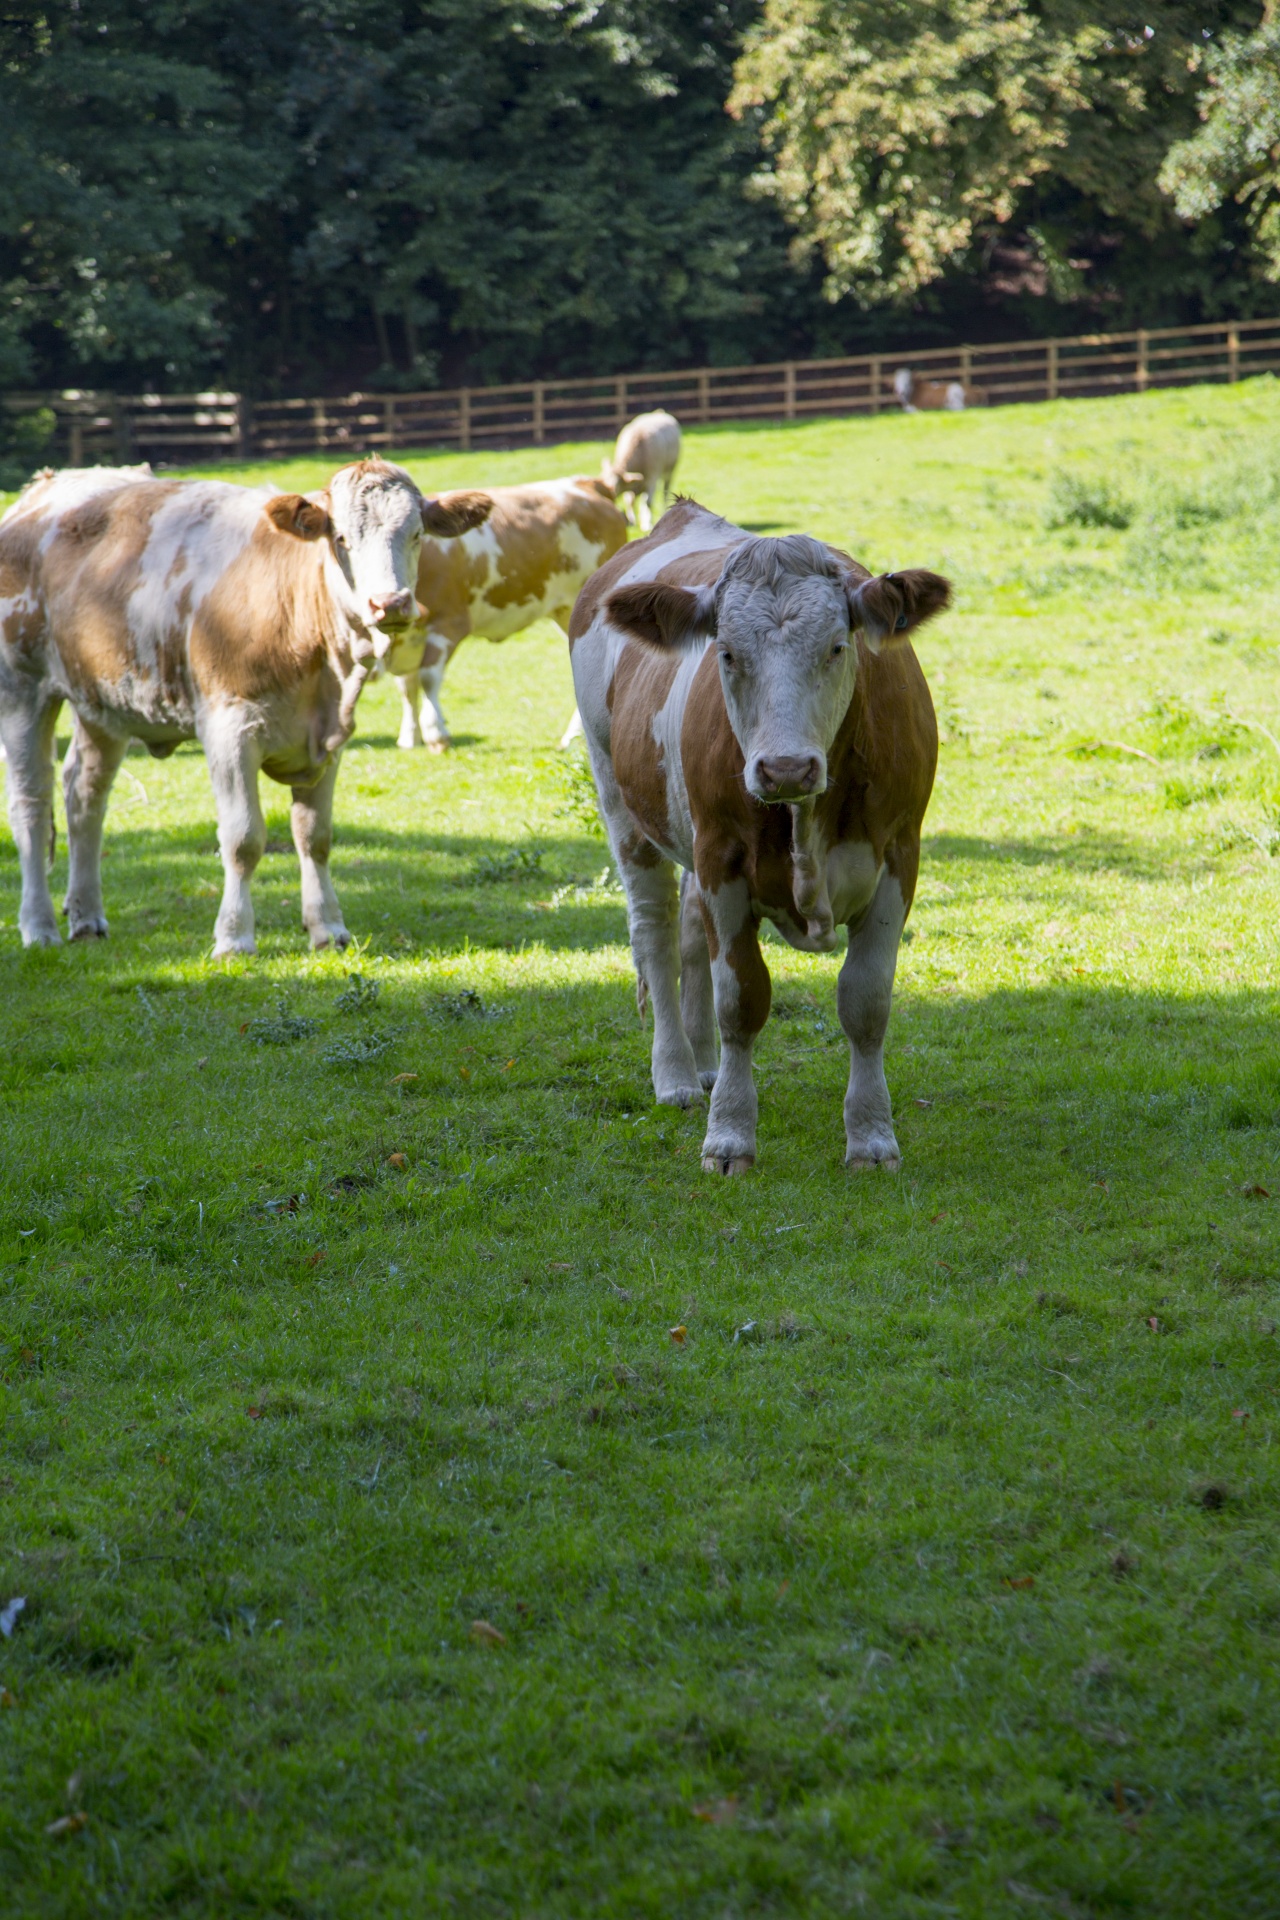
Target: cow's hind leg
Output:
[
  {"x": 410, "y": 734},
  {"x": 312, "y": 821},
  {"x": 242, "y": 835},
  {"x": 742, "y": 994},
  {"x": 92, "y": 763},
  {"x": 864, "y": 995},
  {"x": 28, "y": 733},
  {"x": 697, "y": 996}
]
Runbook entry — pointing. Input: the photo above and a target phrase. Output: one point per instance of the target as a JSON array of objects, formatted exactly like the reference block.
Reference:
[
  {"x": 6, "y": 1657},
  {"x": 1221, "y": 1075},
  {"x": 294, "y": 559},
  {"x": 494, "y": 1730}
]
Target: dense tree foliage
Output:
[
  {"x": 912, "y": 141},
  {"x": 326, "y": 191}
]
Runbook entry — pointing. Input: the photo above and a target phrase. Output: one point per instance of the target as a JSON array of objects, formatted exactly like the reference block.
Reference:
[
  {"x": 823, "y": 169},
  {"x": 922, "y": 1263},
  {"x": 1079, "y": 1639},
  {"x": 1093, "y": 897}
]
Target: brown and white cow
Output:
[
  {"x": 526, "y": 563},
  {"x": 755, "y": 715},
  {"x": 645, "y": 458},
  {"x": 934, "y": 396},
  {"x": 169, "y": 610}
]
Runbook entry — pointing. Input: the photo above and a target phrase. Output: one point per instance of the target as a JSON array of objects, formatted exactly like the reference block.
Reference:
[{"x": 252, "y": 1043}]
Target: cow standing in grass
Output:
[
  {"x": 526, "y": 563},
  {"x": 755, "y": 715},
  {"x": 168, "y": 610},
  {"x": 645, "y": 458}
]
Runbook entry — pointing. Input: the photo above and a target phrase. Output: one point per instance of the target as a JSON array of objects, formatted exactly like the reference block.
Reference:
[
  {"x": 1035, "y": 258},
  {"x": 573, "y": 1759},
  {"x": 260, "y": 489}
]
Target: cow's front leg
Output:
[
  {"x": 742, "y": 994},
  {"x": 233, "y": 756},
  {"x": 644, "y": 509},
  {"x": 92, "y": 763},
  {"x": 864, "y": 995},
  {"x": 697, "y": 996},
  {"x": 28, "y": 735},
  {"x": 311, "y": 818},
  {"x": 410, "y": 734}
]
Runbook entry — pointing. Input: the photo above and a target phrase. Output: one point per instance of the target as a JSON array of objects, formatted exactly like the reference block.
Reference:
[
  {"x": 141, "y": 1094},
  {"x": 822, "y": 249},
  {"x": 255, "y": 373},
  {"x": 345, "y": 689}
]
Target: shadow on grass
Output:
[{"x": 1087, "y": 852}]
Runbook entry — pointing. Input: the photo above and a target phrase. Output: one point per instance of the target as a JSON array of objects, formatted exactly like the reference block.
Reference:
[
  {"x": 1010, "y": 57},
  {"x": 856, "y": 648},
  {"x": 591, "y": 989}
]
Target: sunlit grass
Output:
[{"x": 934, "y": 1570}]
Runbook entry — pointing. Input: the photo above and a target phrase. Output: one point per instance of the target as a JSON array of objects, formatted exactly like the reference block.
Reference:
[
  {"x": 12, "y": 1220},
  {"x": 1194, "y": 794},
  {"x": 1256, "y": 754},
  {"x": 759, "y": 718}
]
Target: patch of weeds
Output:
[
  {"x": 578, "y": 801},
  {"x": 466, "y": 1005},
  {"x": 605, "y": 886},
  {"x": 517, "y": 863},
  {"x": 1180, "y": 793},
  {"x": 362, "y": 1050},
  {"x": 283, "y": 1028},
  {"x": 358, "y": 996},
  {"x": 1087, "y": 500}
]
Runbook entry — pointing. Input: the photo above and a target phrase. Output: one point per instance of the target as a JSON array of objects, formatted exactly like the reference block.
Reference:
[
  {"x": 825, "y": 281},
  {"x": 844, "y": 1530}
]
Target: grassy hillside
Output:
[{"x": 934, "y": 1570}]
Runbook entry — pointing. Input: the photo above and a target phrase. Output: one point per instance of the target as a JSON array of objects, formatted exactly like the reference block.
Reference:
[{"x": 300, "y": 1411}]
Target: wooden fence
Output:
[{"x": 208, "y": 427}]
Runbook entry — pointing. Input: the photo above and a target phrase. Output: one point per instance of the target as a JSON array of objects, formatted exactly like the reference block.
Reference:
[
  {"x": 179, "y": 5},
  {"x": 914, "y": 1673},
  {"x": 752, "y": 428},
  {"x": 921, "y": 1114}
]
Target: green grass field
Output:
[{"x": 935, "y": 1571}]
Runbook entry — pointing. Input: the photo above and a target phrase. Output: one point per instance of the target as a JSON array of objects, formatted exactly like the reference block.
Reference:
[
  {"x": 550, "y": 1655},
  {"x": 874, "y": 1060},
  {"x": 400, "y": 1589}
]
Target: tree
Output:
[
  {"x": 910, "y": 138},
  {"x": 1235, "y": 155}
]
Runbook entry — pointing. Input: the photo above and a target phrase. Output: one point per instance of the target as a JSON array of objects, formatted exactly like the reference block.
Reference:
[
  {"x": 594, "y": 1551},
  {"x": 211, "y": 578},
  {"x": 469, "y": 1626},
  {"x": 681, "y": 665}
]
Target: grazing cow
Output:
[
  {"x": 934, "y": 396},
  {"x": 644, "y": 458},
  {"x": 744, "y": 724},
  {"x": 525, "y": 563},
  {"x": 168, "y": 610}
]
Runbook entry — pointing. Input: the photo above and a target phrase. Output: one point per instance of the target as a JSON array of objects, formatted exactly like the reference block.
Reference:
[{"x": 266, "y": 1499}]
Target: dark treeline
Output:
[{"x": 312, "y": 194}]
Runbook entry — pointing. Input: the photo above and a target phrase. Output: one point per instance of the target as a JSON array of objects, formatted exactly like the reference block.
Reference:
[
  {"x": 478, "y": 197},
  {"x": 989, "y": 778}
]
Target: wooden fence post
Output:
[
  {"x": 1141, "y": 371},
  {"x": 539, "y": 419},
  {"x": 318, "y": 424},
  {"x": 244, "y": 427},
  {"x": 875, "y": 383},
  {"x": 1051, "y": 372},
  {"x": 464, "y": 419},
  {"x": 1233, "y": 353},
  {"x": 966, "y": 366},
  {"x": 704, "y": 395},
  {"x": 121, "y": 431},
  {"x": 789, "y": 390},
  {"x": 620, "y": 400},
  {"x": 75, "y": 441},
  {"x": 389, "y": 420}
]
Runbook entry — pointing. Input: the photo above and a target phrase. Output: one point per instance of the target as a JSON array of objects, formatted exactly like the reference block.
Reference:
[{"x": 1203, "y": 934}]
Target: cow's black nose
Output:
[{"x": 789, "y": 776}]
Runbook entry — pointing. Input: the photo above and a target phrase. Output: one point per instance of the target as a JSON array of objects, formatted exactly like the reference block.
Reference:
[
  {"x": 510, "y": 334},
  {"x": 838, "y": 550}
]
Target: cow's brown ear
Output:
[
  {"x": 629, "y": 480},
  {"x": 663, "y": 616},
  {"x": 894, "y": 604},
  {"x": 450, "y": 514},
  {"x": 592, "y": 483},
  {"x": 294, "y": 513}
]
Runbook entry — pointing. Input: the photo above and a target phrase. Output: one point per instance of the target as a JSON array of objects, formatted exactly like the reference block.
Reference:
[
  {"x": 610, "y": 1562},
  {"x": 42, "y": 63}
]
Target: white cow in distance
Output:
[
  {"x": 645, "y": 458},
  {"x": 170, "y": 610}
]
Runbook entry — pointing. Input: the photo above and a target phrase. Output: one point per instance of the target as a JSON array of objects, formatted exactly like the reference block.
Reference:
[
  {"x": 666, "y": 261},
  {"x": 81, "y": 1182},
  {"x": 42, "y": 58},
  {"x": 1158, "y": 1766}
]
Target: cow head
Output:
[
  {"x": 783, "y": 615},
  {"x": 373, "y": 517},
  {"x": 619, "y": 479}
]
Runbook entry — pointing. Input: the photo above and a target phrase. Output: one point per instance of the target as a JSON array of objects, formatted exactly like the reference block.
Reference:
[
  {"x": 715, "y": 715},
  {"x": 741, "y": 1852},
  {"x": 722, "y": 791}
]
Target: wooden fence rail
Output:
[{"x": 210, "y": 427}]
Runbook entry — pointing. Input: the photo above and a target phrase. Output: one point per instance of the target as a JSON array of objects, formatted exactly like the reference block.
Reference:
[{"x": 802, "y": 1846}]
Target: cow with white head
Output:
[
  {"x": 755, "y": 715},
  {"x": 170, "y": 610}
]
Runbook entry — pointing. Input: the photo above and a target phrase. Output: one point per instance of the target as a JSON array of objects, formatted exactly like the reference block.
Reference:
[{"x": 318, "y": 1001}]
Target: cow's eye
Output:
[
  {"x": 726, "y": 657},
  {"x": 841, "y": 646}
]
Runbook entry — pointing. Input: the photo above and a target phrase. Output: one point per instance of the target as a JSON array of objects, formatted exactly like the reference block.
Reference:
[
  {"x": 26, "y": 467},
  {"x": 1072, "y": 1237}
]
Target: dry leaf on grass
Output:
[
  {"x": 69, "y": 1823},
  {"x": 717, "y": 1813},
  {"x": 402, "y": 1079},
  {"x": 486, "y": 1635},
  {"x": 397, "y": 1160},
  {"x": 1019, "y": 1581},
  {"x": 7, "y": 1699},
  {"x": 1252, "y": 1191},
  {"x": 678, "y": 1334}
]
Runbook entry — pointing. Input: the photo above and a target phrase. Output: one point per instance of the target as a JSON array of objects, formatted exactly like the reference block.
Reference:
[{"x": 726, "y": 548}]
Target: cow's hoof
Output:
[
  {"x": 94, "y": 928},
  {"x": 680, "y": 1097},
  {"x": 228, "y": 949},
  {"x": 437, "y": 742},
  {"x": 707, "y": 1075},
  {"x": 874, "y": 1153},
  {"x": 728, "y": 1163},
  {"x": 322, "y": 937},
  {"x": 41, "y": 937},
  {"x": 407, "y": 746}
]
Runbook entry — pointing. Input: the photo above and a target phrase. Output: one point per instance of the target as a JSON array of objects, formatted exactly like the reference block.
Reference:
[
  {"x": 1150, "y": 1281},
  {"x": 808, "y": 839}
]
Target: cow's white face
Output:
[
  {"x": 787, "y": 668},
  {"x": 372, "y": 517},
  {"x": 783, "y": 616},
  {"x": 375, "y": 517}
]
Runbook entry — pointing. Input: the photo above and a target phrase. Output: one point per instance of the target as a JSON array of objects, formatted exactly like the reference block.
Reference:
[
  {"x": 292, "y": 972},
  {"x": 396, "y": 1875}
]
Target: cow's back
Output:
[{"x": 527, "y": 562}]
